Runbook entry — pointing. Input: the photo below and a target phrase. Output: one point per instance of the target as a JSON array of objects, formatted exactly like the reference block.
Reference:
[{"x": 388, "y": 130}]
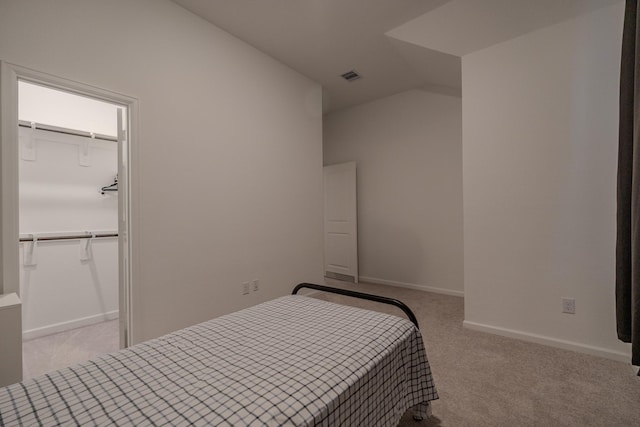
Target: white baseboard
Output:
[
  {"x": 412, "y": 286},
  {"x": 68, "y": 325},
  {"x": 552, "y": 342}
]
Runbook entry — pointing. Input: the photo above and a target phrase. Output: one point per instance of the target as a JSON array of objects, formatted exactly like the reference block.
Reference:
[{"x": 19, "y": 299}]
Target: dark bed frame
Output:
[{"x": 402, "y": 306}]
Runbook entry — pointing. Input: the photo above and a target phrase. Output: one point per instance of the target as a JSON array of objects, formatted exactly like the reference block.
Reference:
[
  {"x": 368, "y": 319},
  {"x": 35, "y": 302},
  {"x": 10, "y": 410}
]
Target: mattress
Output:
[{"x": 294, "y": 361}]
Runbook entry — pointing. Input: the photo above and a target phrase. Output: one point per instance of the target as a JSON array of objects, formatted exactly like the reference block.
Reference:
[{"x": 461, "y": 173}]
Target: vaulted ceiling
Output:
[{"x": 395, "y": 45}]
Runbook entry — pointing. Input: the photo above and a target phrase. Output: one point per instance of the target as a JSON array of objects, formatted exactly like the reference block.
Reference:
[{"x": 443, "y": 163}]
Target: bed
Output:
[{"x": 295, "y": 360}]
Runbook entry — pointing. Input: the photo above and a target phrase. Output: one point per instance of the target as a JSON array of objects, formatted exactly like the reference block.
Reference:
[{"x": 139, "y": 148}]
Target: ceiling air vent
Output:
[{"x": 350, "y": 76}]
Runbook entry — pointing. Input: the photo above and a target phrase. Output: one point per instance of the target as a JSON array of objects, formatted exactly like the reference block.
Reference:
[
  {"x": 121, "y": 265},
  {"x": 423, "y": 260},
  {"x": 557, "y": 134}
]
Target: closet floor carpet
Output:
[{"x": 46, "y": 354}]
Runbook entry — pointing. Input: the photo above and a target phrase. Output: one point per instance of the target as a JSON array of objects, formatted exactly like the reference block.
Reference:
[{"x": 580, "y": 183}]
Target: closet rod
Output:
[
  {"x": 66, "y": 131},
  {"x": 69, "y": 237}
]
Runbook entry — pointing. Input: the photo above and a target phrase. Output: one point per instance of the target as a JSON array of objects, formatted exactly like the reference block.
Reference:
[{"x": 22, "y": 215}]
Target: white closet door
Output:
[{"x": 340, "y": 222}]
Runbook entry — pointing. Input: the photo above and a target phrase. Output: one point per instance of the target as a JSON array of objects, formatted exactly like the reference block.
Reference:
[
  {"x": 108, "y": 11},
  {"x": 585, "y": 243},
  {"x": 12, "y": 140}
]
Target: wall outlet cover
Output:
[{"x": 569, "y": 305}]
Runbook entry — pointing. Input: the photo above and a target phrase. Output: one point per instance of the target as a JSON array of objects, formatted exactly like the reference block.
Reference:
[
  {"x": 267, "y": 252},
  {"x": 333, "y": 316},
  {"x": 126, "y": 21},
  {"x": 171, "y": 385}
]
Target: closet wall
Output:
[{"x": 66, "y": 283}]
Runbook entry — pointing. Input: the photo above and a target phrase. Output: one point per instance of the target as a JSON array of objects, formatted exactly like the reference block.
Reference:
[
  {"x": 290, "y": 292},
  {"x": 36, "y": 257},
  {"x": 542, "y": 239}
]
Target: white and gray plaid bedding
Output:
[{"x": 291, "y": 361}]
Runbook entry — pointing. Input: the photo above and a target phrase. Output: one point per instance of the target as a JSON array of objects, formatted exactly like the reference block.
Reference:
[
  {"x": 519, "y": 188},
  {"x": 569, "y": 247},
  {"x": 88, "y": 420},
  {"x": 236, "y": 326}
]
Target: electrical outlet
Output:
[
  {"x": 255, "y": 284},
  {"x": 569, "y": 305},
  {"x": 245, "y": 288}
]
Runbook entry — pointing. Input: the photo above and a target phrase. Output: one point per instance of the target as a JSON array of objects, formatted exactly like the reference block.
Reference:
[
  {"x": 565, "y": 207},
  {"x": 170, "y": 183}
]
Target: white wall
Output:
[
  {"x": 60, "y": 290},
  {"x": 41, "y": 104},
  {"x": 228, "y": 179},
  {"x": 63, "y": 292},
  {"x": 408, "y": 150},
  {"x": 539, "y": 166},
  {"x": 57, "y": 193}
]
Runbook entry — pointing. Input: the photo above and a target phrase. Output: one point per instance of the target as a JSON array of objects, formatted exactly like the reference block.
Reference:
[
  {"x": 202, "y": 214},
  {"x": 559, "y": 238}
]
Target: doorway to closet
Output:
[
  {"x": 68, "y": 225},
  {"x": 65, "y": 216}
]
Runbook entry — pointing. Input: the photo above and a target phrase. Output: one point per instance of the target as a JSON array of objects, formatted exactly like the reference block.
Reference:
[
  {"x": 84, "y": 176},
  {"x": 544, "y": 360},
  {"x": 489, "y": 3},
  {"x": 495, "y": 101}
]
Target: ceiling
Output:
[{"x": 395, "y": 45}]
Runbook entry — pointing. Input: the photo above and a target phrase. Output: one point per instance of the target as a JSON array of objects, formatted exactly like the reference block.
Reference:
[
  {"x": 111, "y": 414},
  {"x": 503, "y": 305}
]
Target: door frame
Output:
[
  {"x": 349, "y": 227},
  {"x": 10, "y": 74}
]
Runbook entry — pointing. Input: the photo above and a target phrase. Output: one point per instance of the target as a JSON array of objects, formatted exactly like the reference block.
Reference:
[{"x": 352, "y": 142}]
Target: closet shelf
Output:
[{"x": 57, "y": 129}]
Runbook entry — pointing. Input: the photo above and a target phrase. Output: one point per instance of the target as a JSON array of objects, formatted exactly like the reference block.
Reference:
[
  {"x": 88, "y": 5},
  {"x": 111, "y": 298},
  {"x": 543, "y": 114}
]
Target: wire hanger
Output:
[{"x": 110, "y": 187}]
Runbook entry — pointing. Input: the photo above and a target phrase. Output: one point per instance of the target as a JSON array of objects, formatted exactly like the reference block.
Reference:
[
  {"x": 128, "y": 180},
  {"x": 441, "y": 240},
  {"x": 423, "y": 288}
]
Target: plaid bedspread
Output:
[{"x": 293, "y": 361}]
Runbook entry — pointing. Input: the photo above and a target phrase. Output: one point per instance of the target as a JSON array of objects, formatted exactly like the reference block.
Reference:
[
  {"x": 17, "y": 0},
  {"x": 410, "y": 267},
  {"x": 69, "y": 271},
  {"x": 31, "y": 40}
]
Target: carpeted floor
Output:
[
  {"x": 488, "y": 380},
  {"x": 46, "y": 354}
]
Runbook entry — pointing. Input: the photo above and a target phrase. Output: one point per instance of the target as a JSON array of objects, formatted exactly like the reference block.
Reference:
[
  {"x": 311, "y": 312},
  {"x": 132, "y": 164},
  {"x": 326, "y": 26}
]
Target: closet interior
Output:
[{"x": 68, "y": 223}]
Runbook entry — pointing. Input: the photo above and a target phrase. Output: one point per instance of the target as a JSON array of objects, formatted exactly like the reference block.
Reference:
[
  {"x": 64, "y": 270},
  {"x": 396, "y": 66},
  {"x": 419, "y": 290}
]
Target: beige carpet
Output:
[
  {"x": 488, "y": 380},
  {"x": 46, "y": 354}
]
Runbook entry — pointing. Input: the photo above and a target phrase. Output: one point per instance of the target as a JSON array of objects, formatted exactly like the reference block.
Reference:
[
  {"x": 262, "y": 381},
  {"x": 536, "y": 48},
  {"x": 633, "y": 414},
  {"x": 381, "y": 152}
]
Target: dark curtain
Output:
[{"x": 628, "y": 221}]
